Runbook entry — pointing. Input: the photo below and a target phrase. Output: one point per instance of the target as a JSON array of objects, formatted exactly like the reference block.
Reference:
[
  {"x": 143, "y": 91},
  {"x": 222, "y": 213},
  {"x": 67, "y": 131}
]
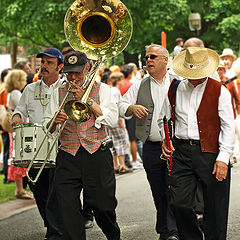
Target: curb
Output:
[{"x": 13, "y": 207}]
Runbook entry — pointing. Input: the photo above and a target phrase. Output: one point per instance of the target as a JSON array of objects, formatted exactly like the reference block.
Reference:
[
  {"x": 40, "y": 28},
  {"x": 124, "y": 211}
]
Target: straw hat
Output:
[
  {"x": 195, "y": 63},
  {"x": 228, "y": 52},
  {"x": 221, "y": 64}
]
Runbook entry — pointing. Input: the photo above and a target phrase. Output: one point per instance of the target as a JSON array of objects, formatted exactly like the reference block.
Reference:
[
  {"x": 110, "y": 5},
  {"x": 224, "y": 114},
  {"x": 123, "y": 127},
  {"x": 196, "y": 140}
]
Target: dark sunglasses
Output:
[{"x": 152, "y": 56}]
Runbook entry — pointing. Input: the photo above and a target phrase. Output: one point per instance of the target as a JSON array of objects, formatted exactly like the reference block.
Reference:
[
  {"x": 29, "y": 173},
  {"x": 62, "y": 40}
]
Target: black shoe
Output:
[{"x": 88, "y": 224}]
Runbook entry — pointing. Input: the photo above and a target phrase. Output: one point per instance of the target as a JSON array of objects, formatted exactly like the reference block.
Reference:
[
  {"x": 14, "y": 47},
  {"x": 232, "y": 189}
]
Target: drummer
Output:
[{"x": 32, "y": 104}]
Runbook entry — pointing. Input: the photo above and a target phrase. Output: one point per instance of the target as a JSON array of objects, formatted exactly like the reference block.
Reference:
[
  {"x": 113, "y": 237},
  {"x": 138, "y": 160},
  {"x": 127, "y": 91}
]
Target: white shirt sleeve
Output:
[
  {"x": 129, "y": 98},
  {"x": 108, "y": 107},
  {"x": 227, "y": 132}
]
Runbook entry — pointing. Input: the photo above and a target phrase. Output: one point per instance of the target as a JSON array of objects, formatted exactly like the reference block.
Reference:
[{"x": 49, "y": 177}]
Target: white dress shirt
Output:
[
  {"x": 159, "y": 93},
  {"x": 108, "y": 106},
  {"x": 30, "y": 108},
  {"x": 188, "y": 99}
]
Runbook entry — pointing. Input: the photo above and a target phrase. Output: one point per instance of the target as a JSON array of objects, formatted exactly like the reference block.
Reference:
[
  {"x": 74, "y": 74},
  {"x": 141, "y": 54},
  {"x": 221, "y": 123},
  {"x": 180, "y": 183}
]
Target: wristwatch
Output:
[{"x": 90, "y": 102}]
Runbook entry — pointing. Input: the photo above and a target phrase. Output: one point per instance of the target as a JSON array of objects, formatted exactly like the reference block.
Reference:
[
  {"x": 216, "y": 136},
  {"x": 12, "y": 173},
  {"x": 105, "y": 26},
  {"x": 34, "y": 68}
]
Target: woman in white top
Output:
[{"x": 14, "y": 83}]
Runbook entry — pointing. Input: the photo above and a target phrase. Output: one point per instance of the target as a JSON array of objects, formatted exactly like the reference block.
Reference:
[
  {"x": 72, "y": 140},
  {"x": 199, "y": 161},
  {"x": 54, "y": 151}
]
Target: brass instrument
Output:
[{"x": 101, "y": 29}]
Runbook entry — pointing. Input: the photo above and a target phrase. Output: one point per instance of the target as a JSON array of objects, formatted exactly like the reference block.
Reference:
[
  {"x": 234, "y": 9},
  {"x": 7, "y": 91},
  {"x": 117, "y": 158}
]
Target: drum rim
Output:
[{"x": 27, "y": 125}]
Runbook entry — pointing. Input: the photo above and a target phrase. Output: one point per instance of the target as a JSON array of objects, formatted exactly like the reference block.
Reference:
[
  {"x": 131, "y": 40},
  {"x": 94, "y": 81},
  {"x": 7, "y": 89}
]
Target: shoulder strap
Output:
[{"x": 172, "y": 97}]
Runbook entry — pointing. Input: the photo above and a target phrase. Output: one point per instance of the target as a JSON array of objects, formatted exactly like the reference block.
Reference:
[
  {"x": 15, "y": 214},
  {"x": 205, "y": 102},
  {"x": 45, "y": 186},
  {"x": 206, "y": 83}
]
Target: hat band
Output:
[{"x": 195, "y": 66}]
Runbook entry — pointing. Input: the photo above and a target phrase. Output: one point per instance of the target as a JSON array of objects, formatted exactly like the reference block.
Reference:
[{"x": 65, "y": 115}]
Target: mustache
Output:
[{"x": 42, "y": 70}]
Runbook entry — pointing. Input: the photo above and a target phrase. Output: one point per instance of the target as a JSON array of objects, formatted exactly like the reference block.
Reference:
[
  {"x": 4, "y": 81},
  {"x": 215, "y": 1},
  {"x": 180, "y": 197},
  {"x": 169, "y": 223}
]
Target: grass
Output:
[{"x": 7, "y": 191}]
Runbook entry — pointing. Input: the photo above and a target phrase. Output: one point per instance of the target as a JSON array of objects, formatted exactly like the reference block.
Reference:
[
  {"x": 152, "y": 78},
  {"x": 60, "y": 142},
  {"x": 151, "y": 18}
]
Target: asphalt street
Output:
[{"x": 135, "y": 212}]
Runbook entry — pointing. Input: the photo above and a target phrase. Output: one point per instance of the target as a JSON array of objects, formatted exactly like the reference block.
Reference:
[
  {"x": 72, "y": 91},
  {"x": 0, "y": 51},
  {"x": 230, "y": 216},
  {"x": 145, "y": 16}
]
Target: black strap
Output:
[{"x": 175, "y": 88}]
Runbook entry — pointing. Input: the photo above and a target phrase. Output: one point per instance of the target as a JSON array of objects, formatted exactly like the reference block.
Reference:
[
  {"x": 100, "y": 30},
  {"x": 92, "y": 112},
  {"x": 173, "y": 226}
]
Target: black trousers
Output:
[
  {"x": 190, "y": 165},
  {"x": 44, "y": 192},
  {"x": 94, "y": 173},
  {"x": 157, "y": 174},
  {"x": 5, "y": 140}
]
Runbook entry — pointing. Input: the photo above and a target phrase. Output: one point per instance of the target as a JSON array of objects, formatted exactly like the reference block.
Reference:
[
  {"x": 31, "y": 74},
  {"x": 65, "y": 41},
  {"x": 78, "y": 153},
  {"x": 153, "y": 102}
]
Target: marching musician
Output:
[
  {"x": 82, "y": 163},
  {"x": 32, "y": 104},
  {"x": 204, "y": 140},
  {"x": 145, "y": 100}
]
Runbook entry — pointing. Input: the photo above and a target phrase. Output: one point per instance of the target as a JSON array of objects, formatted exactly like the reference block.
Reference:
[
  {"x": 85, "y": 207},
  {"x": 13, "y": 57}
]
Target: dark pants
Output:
[
  {"x": 94, "y": 173},
  {"x": 190, "y": 165},
  {"x": 86, "y": 209},
  {"x": 157, "y": 174},
  {"x": 5, "y": 140},
  {"x": 46, "y": 199}
]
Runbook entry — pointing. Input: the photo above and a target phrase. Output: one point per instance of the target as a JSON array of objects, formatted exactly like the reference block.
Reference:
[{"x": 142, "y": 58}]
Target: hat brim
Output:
[
  {"x": 39, "y": 55},
  {"x": 179, "y": 68},
  {"x": 67, "y": 69},
  {"x": 224, "y": 55}
]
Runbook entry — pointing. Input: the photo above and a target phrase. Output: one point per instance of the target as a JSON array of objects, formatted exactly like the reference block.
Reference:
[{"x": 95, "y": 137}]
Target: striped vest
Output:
[{"x": 76, "y": 134}]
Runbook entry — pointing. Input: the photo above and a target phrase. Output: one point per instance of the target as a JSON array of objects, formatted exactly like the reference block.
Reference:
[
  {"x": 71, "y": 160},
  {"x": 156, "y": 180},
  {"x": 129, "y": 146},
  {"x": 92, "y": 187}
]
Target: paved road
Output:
[{"x": 136, "y": 214}]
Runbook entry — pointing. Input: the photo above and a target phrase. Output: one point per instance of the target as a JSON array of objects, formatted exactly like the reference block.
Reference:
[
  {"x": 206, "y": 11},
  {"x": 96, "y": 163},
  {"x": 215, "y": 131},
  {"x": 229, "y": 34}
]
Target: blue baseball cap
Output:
[{"x": 51, "y": 52}]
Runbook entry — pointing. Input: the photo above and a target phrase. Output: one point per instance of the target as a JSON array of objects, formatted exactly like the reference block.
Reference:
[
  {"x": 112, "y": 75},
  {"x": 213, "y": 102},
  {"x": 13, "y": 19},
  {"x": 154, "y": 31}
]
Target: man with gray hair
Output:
[{"x": 145, "y": 100}]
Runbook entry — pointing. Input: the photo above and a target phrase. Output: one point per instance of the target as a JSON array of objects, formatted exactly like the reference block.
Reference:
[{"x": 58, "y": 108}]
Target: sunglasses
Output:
[{"x": 152, "y": 56}]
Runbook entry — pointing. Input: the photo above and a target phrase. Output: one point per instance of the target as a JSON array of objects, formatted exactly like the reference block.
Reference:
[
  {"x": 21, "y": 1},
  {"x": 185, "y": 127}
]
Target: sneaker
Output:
[{"x": 137, "y": 165}]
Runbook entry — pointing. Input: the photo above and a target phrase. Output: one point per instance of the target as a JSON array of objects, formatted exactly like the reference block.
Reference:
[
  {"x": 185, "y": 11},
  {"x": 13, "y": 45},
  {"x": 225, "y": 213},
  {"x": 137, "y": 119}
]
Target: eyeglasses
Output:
[{"x": 152, "y": 56}]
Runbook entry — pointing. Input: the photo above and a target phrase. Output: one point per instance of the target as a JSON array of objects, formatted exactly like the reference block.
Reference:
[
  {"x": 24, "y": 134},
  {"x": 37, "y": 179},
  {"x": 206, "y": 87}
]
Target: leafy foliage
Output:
[{"x": 39, "y": 23}]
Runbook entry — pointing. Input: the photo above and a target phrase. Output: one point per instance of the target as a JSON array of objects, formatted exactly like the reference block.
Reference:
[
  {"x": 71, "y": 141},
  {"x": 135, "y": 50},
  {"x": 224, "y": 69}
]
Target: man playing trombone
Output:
[
  {"x": 82, "y": 161},
  {"x": 31, "y": 106}
]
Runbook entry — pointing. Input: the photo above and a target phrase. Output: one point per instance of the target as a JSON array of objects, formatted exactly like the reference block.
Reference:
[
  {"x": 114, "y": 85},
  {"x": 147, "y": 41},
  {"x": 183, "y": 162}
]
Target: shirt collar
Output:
[{"x": 164, "y": 78}]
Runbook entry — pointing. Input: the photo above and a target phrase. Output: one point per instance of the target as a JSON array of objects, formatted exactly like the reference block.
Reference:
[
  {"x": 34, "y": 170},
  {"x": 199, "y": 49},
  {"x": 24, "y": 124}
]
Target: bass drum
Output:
[{"x": 26, "y": 141}]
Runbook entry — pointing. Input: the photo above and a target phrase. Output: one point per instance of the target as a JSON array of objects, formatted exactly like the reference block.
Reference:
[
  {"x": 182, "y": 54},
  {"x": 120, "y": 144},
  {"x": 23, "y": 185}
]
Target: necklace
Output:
[{"x": 41, "y": 96}]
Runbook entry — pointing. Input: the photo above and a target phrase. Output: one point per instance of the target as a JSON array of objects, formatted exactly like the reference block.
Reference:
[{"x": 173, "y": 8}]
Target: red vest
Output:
[
  {"x": 207, "y": 115},
  {"x": 76, "y": 134}
]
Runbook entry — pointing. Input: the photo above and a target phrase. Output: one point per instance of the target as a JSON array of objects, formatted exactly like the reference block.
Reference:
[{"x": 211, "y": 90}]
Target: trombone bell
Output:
[{"x": 77, "y": 111}]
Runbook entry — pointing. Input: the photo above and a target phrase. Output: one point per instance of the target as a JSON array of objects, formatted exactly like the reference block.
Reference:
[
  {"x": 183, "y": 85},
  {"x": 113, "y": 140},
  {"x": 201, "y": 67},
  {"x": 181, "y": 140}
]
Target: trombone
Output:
[{"x": 101, "y": 29}]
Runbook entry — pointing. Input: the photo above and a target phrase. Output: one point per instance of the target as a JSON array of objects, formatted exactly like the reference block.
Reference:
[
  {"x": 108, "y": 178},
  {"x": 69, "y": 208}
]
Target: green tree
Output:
[{"x": 39, "y": 23}]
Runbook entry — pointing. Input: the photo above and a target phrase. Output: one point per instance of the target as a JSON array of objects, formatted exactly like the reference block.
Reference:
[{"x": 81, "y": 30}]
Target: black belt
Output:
[
  {"x": 153, "y": 143},
  {"x": 190, "y": 142}
]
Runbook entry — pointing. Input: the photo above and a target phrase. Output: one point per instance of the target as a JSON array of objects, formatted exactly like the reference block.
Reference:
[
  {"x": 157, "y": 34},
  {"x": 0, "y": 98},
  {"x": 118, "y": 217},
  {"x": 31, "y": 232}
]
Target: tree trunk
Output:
[{"x": 14, "y": 52}]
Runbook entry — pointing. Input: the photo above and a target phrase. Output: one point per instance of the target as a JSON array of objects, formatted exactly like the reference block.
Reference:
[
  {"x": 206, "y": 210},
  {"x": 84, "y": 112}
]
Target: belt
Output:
[
  {"x": 190, "y": 142},
  {"x": 153, "y": 143}
]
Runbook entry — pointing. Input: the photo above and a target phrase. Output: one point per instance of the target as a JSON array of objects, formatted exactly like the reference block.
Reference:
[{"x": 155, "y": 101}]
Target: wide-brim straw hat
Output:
[
  {"x": 228, "y": 52},
  {"x": 195, "y": 63}
]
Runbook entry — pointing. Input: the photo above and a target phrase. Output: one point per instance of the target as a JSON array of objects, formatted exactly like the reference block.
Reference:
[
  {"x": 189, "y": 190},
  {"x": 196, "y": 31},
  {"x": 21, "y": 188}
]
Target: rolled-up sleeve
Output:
[
  {"x": 109, "y": 108},
  {"x": 129, "y": 98},
  {"x": 227, "y": 132}
]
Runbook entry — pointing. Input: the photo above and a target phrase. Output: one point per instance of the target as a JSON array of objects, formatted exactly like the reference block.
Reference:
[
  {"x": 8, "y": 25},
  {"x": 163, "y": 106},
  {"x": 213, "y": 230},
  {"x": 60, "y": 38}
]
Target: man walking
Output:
[{"x": 146, "y": 100}]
